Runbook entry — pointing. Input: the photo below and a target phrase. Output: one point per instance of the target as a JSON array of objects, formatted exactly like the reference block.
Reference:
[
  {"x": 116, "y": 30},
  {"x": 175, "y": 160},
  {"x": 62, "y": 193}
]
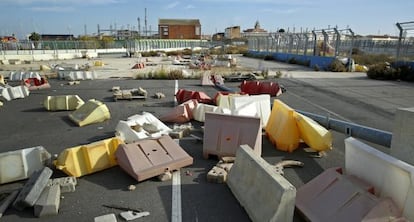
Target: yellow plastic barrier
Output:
[
  {"x": 66, "y": 102},
  {"x": 315, "y": 135},
  {"x": 98, "y": 63},
  {"x": 2, "y": 80},
  {"x": 281, "y": 127},
  {"x": 86, "y": 159},
  {"x": 93, "y": 111}
]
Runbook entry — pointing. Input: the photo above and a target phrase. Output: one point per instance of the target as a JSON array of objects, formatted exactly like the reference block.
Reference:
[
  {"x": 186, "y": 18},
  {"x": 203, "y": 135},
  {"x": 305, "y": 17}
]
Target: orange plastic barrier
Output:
[
  {"x": 281, "y": 127},
  {"x": 180, "y": 114}
]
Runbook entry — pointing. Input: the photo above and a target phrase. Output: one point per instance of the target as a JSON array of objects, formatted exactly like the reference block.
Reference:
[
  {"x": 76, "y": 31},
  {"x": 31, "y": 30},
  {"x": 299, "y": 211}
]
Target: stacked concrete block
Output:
[
  {"x": 48, "y": 202},
  {"x": 32, "y": 189},
  {"x": 7, "y": 201},
  {"x": 218, "y": 174},
  {"x": 67, "y": 184},
  {"x": 20, "y": 164}
]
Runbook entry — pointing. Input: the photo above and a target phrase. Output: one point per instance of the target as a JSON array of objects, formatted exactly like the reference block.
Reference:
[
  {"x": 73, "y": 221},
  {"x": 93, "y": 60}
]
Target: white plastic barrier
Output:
[
  {"x": 264, "y": 194},
  {"x": 402, "y": 143},
  {"x": 391, "y": 177},
  {"x": 139, "y": 127},
  {"x": 19, "y": 76},
  {"x": 20, "y": 164},
  {"x": 256, "y": 106},
  {"x": 10, "y": 93},
  {"x": 199, "y": 112},
  {"x": 77, "y": 75}
]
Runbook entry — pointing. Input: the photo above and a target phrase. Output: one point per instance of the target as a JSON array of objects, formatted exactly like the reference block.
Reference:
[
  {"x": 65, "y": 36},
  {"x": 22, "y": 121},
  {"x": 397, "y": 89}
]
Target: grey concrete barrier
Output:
[{"x": 265, "y": 194}]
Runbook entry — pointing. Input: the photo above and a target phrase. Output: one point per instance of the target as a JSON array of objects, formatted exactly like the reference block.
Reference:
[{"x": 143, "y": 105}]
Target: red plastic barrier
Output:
[
  {"x": 185, "y": 95},
  {"x": 256, "y": 88},
  {"x": 34, "y": 83}
]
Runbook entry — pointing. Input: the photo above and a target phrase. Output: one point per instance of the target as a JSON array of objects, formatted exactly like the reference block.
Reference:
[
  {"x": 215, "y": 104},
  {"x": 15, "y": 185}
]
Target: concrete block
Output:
[
  {"x": 217, "y": 175},
  {"x": 131, "y": 215},
  {"x": 48, "y": 202},
  {"x": 67, "y": 184},
  {"x": 264, "y": 194},
  {"x": 93, "y": 111},
  {"x": 32, "y": 189},
  {"x": 19, "y": 76},
  {"x": 16, "y": 92},
  {"x": 7, "y": 201},
  {"x": 20, "y": 164},
  {"x": 77, "y": 75},
  {"x": 223, "y": 134},
  {"x": 402, "y": 143},
  {"x": 390, "y": 176},
  {"x": 106, "y": 218}
]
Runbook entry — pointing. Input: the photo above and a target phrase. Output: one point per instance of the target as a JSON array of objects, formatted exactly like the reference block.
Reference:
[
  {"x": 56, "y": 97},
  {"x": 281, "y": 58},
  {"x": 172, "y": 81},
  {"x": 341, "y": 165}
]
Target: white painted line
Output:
[
  {"x": 175, "y": 92},
  {"x": 176, "y": 215},
  {"x": 320, "y": 107}
]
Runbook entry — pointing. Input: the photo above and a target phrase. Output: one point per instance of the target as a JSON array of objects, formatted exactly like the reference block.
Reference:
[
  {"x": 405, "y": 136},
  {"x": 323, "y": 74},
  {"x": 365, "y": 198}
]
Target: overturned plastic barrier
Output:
[
  {"x": 263, "y": 193},
  {"x": 315, "y": 136},
  {"x": 77, "y": 75},
  {"x": 19, "y": 76},
  {"x": 63, "y": 102},
  {"x": 223, "y": 134},
  {"x": 256, "y": 105},
  {"x": 183, "y": 95},
  {"x": 140, "y": 126},
  {"x": 17, "y": 92},
  {"x": 2, "y": 82},
  {"x": 20, "y": 164},
  {"x": 152, "y": 157},
  {"x": 390, "y": 176},
  {"x": 256, "y": 88},
  {"x": 90, "y": 158},
  {"x": 208, "y": 79},
  {"x": 333, "y": 196},
  {"x": 36, "y": 84},
  {"x": 222, "y": 99},
  {"x": 180, "y": 114},
  {"x": 92, "y": 111},
  {"x": 201, "y": 109},
  {"x": 281, "y": 127}
]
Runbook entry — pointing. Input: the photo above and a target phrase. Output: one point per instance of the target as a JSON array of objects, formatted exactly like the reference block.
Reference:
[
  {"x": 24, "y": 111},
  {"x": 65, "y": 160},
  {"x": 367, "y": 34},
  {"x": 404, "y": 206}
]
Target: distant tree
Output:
[
  {"x": 281, "y": 30},
  {"x": 34, "y": 36}
]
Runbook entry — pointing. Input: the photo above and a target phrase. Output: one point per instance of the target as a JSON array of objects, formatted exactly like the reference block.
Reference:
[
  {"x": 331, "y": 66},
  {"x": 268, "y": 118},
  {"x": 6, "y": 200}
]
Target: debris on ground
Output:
[
  {"x": 287, "y": 163},
  {"x": 132, "y": 187},
  {"x": 165, "y": 176},
  {"x": 130, "y": 94},
  {"x": 218, "y": 174},
  {"x": 132, "y": 215}
]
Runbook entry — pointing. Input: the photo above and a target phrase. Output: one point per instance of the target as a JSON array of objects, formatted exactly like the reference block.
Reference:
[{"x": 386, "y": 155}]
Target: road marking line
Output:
[
  {"x": 176, "y": 215},
  {"x": 320, "y": 107}
]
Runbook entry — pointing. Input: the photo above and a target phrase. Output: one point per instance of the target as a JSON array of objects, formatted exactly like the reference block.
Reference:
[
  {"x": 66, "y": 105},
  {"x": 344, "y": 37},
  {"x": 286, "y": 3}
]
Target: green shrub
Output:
[
  {"x": 316, "y": 67},
  {"x": 371, "y": 59},
  {"x": 292, "y": 61},
  {"x": 406, "y": 73},
  {"x": 175, "y": 74},
  {"x": 383, "y": 71},
  {"x": 268, "y": 57}
]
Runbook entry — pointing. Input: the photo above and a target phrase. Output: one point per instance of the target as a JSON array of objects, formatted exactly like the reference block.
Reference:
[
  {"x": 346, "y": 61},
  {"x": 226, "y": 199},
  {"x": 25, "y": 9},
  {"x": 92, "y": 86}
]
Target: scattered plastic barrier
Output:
[
  {"x": 263, "y": 193},
  {"x": 256, "y": 88},
  {"x": 17, "y": 92},
  {"x": 223, "y": 134},
  {"x": 333, "y": 196},
  {"x": 36, "y": 84},
  {"x": 281, "y": 128},
  {"x": 19, "y": 76},
  {"x": 201, "y": 109},
  {"x": 183, "y": 95},
  {"x": 90, "y": 158},
  {"x": 138, "y": 66},
  {"x": 180, "y": 114},
  {"x": 209, "y": 79},
  {"x": 77, "y": 75},
  {"x": 2, "y": 82},
  {"x": 152, "y": 157},
  {"x": 20, "y": 164},
  {"x": 92, "y": 111},
  {"x": 63, "y": 102},
  {"x": 139, "y": 127},
  {"x": 256, "y": 105},
  {"x": 222, "y": 98},
  {"x": 390, "y": 176},
  {"x": 314, "y": 135}
]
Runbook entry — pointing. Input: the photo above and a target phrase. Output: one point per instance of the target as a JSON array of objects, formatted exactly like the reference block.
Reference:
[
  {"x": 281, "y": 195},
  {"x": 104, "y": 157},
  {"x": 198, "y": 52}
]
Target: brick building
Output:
[{"x": 179, "y": 28}]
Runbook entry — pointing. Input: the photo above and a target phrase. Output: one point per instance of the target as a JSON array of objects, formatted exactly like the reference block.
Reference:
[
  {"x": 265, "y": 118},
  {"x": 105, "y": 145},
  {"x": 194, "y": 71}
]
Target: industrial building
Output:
[{"x": 179, "y": 28}]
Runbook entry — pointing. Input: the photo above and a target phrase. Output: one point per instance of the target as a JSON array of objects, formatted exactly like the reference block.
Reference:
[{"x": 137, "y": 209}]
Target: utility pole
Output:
[
  {"x": 145, "y": 22},
  {"x": 139, "y": 26}
]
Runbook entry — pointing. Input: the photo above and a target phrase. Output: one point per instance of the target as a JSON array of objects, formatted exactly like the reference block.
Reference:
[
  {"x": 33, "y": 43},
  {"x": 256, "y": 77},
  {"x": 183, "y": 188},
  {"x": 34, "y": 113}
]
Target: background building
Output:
[
  {"x": 232, "y": 32},
  {"x": 179, "y": 28}
]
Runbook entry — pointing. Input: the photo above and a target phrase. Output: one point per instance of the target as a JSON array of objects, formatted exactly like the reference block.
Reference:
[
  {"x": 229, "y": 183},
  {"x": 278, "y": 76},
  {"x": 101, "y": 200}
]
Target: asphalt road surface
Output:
[{"x": 25, "y": 123}]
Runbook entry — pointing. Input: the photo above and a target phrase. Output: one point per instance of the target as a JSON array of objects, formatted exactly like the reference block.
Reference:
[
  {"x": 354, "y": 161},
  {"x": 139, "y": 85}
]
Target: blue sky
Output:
[{"x": 22, "y": 17}]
